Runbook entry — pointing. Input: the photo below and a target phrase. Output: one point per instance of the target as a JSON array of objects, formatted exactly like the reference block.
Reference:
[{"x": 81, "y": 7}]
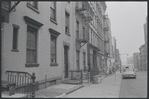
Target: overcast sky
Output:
[{"x": 127, "y": 19}]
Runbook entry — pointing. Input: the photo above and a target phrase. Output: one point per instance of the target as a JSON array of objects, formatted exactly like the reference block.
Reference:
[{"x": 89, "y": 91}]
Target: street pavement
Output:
[
  {"x": 135, "y": 88},
  {"x": 108, "y": 88}
]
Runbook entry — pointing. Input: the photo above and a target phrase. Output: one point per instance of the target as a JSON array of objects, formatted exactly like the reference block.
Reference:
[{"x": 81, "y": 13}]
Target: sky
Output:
[{"x": 127, "y": 20}]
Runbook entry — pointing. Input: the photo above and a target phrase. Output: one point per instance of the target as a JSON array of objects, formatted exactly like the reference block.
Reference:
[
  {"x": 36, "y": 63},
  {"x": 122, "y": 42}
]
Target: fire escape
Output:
[
  {"x": 6, "y": 8},
  {"x": 86, "y": 12}
]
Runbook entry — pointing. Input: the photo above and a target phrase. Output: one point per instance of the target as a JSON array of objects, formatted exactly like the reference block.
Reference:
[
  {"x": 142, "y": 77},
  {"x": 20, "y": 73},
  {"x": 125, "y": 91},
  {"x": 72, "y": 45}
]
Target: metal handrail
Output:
[
  {"x": 25, "y": 82},
  {"x": 18, "y": 72}
]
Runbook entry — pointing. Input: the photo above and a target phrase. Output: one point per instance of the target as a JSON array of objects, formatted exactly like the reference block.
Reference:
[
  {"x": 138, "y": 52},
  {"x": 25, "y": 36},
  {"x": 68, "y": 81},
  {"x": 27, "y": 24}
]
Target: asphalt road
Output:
[{"x": 134, "y": 88}]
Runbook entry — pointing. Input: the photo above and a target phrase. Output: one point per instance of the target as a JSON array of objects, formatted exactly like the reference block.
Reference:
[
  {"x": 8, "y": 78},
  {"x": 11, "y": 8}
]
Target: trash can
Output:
[
  {"x": 84, "y": 75},
  {"x": 95, "y": 79},
  {"x": 99, "y": 79},
  {"x": 8, "y": 86}
]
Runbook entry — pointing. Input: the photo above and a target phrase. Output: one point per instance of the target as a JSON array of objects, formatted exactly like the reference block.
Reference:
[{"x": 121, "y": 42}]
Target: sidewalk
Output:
[
  {"x": 57, "y": 91},
  {"x": 109, "y": 84},
  {"x": 108, "y": 88}
]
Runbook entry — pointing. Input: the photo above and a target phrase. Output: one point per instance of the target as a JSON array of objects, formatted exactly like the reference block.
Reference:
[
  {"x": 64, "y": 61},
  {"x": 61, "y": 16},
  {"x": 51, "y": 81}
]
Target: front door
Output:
[{"x": 66, "y": 61}]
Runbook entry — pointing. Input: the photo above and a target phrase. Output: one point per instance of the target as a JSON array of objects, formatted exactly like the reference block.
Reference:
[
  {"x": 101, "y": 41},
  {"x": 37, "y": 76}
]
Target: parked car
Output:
[{"x": 129, "y": 73}]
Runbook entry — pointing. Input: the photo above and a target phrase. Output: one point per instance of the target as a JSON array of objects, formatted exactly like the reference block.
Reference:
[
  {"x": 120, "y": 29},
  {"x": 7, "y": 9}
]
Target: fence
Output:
[
  {"x": 25, "y": 82},
  {"x": 93, "y": 72}
]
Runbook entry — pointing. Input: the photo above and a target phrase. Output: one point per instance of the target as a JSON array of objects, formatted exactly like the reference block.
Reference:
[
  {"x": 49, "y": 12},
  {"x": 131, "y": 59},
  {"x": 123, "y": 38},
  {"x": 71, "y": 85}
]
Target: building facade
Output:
[
  {"x": 129, "y": 60},
  {"x": 108, "y": 44},
  {"x": 113, "y": 53},
  {"x": 146, "y": 41},
  {"x": 52, "y": 38},
  {"x": 142, "y": 57},
  {"x": 136, "y": 60},
  {"x": 36, "y": 40},
  {"x": 118, "y": 60}
]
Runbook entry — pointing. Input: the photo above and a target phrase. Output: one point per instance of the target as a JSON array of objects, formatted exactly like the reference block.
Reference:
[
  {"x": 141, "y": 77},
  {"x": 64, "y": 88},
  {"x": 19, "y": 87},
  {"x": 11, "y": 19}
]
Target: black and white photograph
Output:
[{"x": 74, "y": 49}]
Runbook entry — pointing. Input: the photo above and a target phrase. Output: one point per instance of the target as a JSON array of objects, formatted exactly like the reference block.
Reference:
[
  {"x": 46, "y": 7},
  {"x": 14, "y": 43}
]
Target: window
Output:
[
  {"x": 53, "y": 10},
  {"x": 31, "y": 45},
  {"x": 33, "y": 4},
  {"x": 53, "y": 49},
  {"x": 84, "y": 58},
  {"x": 53, "y": 58},
  {"x": 67, "y": 23},
  {"x": 83, "y": 32},
  {"x": 6, "y": 5},
  {"x": 93, "y": 22},
  {"x": 91, "y": 36},
  {"x": 15, "y": 38},
  {"x": 77, "y": 29},
  {"x": 77, "y": 60}
]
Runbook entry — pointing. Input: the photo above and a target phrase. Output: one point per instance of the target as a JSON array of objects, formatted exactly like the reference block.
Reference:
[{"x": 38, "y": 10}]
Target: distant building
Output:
[
  {"x": 129, "y": 60},
  {"x": 145, "y": 38},
  {"x": 142, "y": 57},
  {"x": 136, "y": 60},
  {"x": 108, "y": 44},
  {"x": 118, "y": 59},
  {"x": 113, "y": 52}
]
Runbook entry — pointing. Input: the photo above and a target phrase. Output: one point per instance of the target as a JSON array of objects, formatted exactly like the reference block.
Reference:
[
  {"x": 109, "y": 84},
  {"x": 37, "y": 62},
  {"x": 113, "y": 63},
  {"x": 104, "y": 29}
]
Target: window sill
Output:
[
  {"x": 52, "y": 20},
  {"x": 53, "y": 64},
  {"x": 15, "y": 50},
  {"x": 31, "y": 7},
  {"x": 68, "y": 34},
  {"x": 31, "y": 65}
]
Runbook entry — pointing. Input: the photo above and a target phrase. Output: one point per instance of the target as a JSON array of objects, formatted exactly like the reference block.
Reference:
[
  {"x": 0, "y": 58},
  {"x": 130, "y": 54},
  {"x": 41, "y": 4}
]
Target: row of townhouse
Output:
[
  {"x": 136, "y": 60},
  {"x": 143, "y": 64},
  {"x": 140, "y": 58},
  {"x": 52, "y": 38},
  {"x": 146, "y": 42}
]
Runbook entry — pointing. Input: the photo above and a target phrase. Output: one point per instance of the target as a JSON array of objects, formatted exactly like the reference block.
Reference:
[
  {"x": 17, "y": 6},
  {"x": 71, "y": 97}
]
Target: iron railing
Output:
[
  {"x": 93, "y": 72},
  {"x": 25, "y": 82},
  {"x": 82, "y": 35},
  {"x": 78, "y": 76}
]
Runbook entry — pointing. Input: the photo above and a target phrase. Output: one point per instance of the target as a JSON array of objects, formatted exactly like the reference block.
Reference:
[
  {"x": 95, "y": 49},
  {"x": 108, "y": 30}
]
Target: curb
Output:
[
  {"x": 74, "y": 89},
  {"x": 63, "y": 94},
  {"x": 87, "y": 84},
  {"x": 104, "y": 77},
  {"x": 69, "y": 91}
]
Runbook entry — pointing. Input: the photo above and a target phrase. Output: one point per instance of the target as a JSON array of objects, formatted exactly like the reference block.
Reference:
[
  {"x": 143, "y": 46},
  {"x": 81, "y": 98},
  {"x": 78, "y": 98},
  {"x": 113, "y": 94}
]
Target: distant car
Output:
[{"x": 129, "y": 73}]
